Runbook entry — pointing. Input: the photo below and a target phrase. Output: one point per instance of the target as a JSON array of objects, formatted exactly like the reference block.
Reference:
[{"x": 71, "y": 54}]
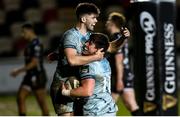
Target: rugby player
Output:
[
  {"x": 35, "y": 78},
  {"x": 95, "y": 79},
  {"x": 70, "y": 50},
  {"x": 122, "y": 76},
  {"x": 69, "y": 57}
]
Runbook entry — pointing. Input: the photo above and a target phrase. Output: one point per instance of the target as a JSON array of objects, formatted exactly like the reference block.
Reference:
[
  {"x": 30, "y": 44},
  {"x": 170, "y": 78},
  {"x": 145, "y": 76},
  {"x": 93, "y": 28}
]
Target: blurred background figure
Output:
[
  {"x": 122, "y": 77},
  {"x": 35, "y": 78}
]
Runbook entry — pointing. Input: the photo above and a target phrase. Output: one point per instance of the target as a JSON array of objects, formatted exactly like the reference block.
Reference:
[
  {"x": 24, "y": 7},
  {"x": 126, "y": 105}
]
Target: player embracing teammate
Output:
[
  {"x": 71, "y": 59},
  {"x": 95, "y": 79}
]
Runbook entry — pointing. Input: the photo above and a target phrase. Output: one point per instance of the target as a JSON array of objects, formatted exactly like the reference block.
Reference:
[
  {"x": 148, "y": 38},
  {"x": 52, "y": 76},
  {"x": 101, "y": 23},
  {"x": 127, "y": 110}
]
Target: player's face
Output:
[
  {"x": 89, "y": 48},
  {"x": 90, "y": 21},
  {"x": 25, "y": 34},
  {"x": 110, "y": 27}
]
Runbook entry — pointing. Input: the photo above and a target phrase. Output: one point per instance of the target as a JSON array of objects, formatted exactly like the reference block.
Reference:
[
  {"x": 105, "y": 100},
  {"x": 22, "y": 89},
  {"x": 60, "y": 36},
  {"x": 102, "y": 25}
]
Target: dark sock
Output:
[
  {"x": 22, "y": 114},
  {"x": 136, "y": 113}
]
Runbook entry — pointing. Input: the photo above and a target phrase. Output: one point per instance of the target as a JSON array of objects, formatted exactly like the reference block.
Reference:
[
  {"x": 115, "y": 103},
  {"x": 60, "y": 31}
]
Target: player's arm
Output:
[
  {"x": 70, "y": 44},
  {"x": 87, "y": 83},
  {"x": 32, "y": 64},
  {"x": 75, "y": 60},
  {"x": 35, "y": 53},
  {"x": 119, "y": 70},
  {"x": 115, "y": 45},
  {"x": 86, "y": 89}
]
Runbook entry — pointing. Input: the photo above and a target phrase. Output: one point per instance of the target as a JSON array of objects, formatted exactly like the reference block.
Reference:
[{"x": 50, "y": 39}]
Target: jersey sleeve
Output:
[
  {"x": 87, "y": 72},
  {"x": 69, "y": 40},
  {"x": 36, "y": 50}
]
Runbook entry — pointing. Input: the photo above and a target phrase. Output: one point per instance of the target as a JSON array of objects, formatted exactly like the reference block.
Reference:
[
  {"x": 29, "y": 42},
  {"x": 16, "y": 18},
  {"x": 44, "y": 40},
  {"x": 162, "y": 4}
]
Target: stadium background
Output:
[{"x": 51, "y": 19}]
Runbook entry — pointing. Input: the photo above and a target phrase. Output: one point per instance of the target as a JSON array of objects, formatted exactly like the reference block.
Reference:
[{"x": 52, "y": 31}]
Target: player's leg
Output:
[
  {"x": 21, "y": 98},
  {"x": 128, "y": 94},
  {"x": 128, "y": 97},
  {"x": 62, "y": 105},
  {"x": 41, "y": 98},
  {"x": 65, "y": 107},
  {"x": 129, "y": 100},
  {"x": 39, "y": 89}
]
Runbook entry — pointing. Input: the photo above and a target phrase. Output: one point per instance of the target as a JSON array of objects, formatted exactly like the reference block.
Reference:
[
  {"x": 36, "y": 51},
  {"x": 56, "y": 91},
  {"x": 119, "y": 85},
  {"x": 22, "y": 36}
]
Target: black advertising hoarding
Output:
[
  {"x": 154, "y": 57},
  {"x": 168, "y": 77},
  {"x": 145, "y": 34}
]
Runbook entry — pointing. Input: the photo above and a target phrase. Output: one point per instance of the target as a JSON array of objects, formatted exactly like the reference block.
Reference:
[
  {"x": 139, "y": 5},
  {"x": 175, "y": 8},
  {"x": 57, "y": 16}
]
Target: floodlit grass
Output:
[
  {"x": 122, "y": 109},
  {"x": 8, "y": 106}
]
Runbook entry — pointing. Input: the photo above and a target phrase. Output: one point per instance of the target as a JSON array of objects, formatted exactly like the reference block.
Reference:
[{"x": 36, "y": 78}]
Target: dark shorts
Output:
[
  {"x": 62, "y": 104},
  {"x": 34, "y": 81},
  {"x": 128, "y": 81}
]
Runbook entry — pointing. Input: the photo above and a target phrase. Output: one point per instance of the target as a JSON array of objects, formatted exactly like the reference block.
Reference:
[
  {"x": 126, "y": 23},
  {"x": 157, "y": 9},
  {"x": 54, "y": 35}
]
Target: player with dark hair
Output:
[
  {"x": 122, "y": 76},
  {"x": 35, "y": 78},
  {"x": 70, "y": 54},
  {"x": 69, "y": 57},
  {"x": 86, "y": 8},
  {"x": 95, "y": 79}
]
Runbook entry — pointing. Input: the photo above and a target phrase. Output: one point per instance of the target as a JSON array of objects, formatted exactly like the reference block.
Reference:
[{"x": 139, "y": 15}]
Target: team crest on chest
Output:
[{"x": 84, "y": 69}]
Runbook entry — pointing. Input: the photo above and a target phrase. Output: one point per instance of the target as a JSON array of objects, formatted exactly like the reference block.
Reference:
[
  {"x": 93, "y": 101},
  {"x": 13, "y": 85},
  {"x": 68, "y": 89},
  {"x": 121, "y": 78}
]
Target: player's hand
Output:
[
  {"x": 115, "y": 45},
  {"x": 126, "y": 33},
  {"x": 64, "y": 90},
  {"x": 52, "y": 57},
  {"x": 15, "y": 72},
  {"x": 99, "y": 54},
  {"x": 63, "y": 86},
  {"x": 119, "y": 85}
]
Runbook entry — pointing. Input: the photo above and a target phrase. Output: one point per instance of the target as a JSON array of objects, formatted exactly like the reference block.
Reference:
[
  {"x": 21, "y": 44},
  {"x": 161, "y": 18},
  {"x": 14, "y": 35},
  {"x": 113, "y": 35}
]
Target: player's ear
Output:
[{"x": 83, "y": 19}]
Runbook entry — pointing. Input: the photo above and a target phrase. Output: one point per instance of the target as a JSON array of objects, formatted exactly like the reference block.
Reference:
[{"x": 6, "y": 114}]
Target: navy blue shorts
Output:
[{"x": 35, "y": 81}]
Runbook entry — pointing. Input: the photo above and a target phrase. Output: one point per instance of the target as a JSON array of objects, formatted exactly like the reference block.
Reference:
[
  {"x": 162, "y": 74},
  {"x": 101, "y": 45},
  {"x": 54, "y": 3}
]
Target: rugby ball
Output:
[{"x": 72, "y": 82}]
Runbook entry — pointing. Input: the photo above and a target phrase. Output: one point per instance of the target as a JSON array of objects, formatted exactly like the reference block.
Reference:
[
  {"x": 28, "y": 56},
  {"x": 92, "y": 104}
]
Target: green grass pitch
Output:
[{"x": 8, "y": 106}]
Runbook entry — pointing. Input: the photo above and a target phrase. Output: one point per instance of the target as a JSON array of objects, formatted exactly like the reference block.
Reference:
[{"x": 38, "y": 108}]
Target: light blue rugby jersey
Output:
[
  {"x": 70, "y": 39},
  {"x": 101, "y": 102},
  {"x": 74, "y": 39}
]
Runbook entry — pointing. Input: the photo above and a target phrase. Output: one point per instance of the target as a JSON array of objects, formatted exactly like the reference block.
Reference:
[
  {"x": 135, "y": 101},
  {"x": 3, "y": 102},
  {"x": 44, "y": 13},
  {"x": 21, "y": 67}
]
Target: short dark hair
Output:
[
  {"x": 28, "y": 26},
  {"x": 100, "y": 40},
  {"x": 86, "y": 8},
  {"x": 117, "y": 18}
]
